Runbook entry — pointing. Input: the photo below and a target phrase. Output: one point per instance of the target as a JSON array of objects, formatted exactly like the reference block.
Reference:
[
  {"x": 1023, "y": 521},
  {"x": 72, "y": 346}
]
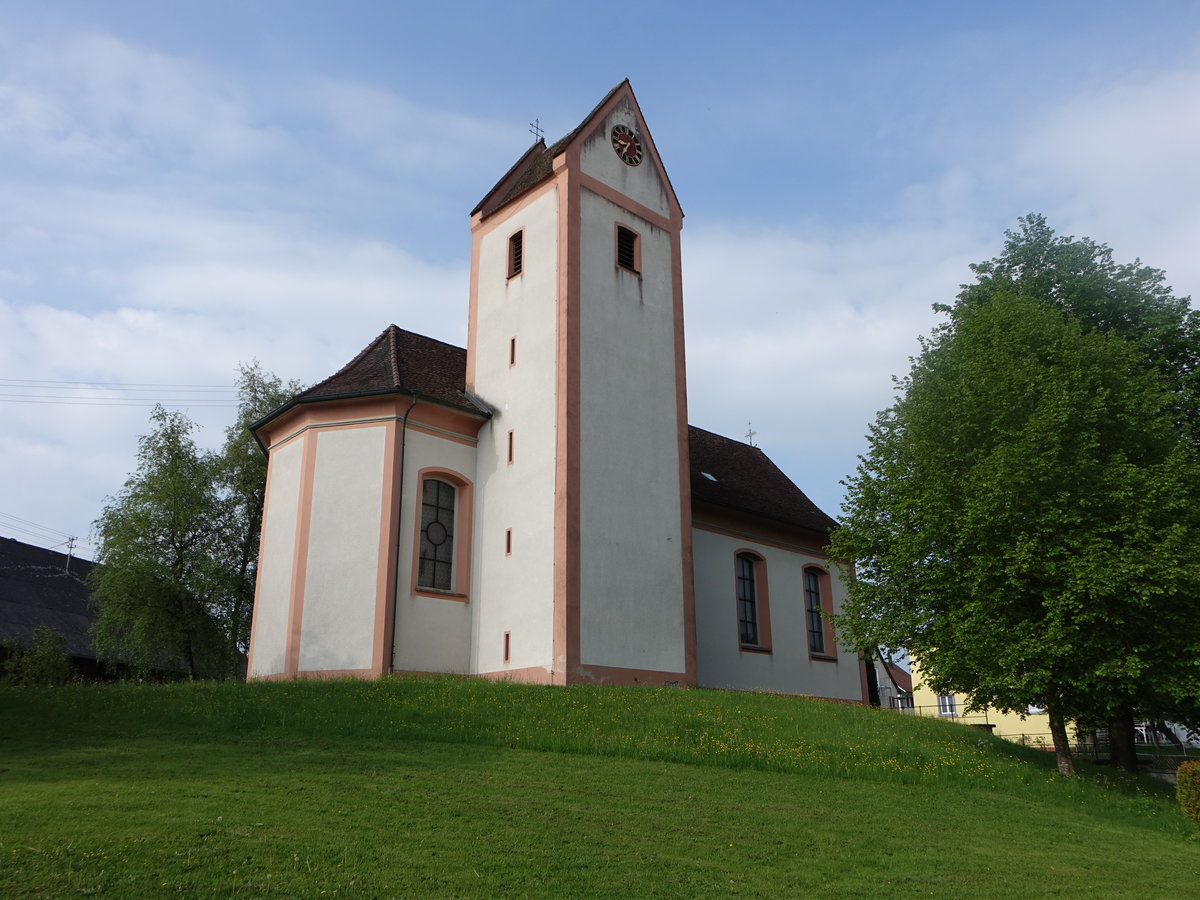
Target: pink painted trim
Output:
[
  {"x": 629, "y": 677},
  {"x": 567, "y": 573},
  {"x": 744, "y": 527},
  {"x": 862, "y": 677},
  {"x": 388, "y": 555},
  {"x": 258, "y": 575},
  {"x": 613, "y": 196},
  {"x": 685, "y": 486},
  {"x": 369, "y": 411},
  {"x": 300, "y": 555},
  {"x": 526, "y": 675},
  {"x": 464, "y": 511}
]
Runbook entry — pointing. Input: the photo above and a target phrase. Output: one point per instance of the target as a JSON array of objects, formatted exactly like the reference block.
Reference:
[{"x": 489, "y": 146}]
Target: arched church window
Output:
[{"x": 436, "y": 560}]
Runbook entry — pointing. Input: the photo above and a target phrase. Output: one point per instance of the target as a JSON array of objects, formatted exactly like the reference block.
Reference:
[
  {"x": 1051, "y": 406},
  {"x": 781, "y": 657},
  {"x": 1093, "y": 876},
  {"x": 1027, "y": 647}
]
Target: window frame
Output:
[
  {"x": 761, "y": 600},
  {"x": 947, "y": 705},
  {"x": 635, "y": 249},
  {"x": 460, "y": 553},
  {"x": 824, "y": 583},
  {"x": 515, "y": 253}
]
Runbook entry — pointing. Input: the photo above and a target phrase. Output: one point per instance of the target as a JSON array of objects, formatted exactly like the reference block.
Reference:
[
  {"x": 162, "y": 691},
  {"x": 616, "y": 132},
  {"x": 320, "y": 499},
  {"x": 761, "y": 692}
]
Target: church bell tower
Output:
[{"x": 583, "y": 517}]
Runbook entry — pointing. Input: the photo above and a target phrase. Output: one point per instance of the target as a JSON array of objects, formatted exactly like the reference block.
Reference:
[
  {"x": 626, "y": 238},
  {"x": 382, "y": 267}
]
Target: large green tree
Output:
[
  {"x": 179, "y": 544},
  {"x": 1024, "y": 520},
  {"x": 159, "y": 581}
]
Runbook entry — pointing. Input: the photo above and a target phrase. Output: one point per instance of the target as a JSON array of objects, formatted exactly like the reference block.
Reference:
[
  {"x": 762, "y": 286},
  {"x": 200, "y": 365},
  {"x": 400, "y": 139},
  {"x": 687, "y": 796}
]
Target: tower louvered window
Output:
[
  {"x": 627, "y": 255},
  {"x": 516, "y": 253}
]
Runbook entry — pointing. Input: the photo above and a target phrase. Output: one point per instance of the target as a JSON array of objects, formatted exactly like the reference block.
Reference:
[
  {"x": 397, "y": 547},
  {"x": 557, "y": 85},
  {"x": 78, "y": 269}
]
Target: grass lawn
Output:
[{"x": 423, "y": 787}]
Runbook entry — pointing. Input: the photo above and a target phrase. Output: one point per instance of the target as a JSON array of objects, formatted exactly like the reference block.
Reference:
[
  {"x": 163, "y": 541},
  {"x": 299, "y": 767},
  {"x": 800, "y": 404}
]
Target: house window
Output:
[
  {"x": 516, "y": 253},
  {"x": 747, "y": 600},
  {"x": 436, "y": 561},
  {"x": 947, "y": 705},
  {"x": 812, "y": 605},
  {"x": 628, "y": 251}
]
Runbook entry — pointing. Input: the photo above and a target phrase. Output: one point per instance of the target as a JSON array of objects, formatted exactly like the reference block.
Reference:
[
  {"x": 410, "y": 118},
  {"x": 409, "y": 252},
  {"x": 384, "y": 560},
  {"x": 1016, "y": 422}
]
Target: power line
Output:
[
  {"x": 5, "y": 515},
  {"x": 213, "y": 403},
  {"x": 130, "y": 384}
]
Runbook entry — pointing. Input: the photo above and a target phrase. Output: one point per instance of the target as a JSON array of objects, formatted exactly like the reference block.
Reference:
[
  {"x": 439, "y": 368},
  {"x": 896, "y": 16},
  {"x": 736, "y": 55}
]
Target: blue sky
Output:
[{"x": 184, "y": 186}]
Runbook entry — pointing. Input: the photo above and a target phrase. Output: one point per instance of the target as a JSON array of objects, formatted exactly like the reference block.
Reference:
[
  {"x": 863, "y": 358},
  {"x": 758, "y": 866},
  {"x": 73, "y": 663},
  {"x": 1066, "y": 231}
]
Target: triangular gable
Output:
[{"x": 536, "y": 165}]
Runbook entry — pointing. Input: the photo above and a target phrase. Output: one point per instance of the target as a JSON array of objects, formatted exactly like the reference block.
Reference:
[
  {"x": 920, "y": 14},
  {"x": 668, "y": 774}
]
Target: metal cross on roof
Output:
[
  {"x": 535, "y": 128},
  {"x": 750, "y": 433}
]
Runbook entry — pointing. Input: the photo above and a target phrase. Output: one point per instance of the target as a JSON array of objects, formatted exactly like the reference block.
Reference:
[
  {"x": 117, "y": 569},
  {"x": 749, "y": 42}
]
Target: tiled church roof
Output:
[
  {"x": 401, "y": 362},
  {"x": 396, "y": 362},
  {"x": 747, "y": 480},
  {"x": 534, "y": 166}
]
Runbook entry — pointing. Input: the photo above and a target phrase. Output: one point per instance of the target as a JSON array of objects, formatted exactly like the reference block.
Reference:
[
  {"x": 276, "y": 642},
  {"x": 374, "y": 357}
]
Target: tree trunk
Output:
[
  {"x": 1062, "y": 747},
  {"x": 1121, "y": 742}
]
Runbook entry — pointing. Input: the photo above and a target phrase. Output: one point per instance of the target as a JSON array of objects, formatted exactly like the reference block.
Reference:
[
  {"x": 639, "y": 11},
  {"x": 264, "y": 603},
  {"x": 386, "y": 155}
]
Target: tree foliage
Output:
[
  {"x": 1025, "y": 519},
  {"x": 44, "y": 663},
  {"x": 159, "y": 583},
  {"x": 178, "y": 546}
]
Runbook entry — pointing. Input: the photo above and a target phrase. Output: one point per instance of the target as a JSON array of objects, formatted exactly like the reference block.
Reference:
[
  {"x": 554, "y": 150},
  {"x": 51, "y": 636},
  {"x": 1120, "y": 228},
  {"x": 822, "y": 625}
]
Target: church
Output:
[{"x": 535, "y": 506}]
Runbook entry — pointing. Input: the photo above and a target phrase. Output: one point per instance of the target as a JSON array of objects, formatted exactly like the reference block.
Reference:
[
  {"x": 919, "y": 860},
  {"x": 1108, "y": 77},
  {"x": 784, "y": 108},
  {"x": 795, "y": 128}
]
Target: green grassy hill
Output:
[{"x": 416, "y": 787}]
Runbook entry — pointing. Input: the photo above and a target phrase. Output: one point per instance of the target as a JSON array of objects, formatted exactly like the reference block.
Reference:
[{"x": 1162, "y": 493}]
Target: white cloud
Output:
[
  {"x": 1118, "y": 164},
  {"x": 96, "y": 99}
]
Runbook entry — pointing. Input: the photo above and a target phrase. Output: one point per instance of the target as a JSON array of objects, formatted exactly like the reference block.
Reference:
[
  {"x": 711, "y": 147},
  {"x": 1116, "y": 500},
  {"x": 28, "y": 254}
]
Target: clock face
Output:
[{"x": 627, "y": 144}]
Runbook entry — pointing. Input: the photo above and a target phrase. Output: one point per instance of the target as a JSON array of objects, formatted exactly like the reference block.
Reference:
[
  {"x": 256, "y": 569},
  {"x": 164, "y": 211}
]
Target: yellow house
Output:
[{"x": 1033, "y": 728}]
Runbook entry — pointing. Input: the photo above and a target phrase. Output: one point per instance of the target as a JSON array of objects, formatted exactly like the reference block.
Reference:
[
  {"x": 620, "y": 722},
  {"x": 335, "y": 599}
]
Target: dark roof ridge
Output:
[
  {"x": 509, "y": 175},
  {"x": 388, "y": 332},
  {"x": 532, "y": 169}
]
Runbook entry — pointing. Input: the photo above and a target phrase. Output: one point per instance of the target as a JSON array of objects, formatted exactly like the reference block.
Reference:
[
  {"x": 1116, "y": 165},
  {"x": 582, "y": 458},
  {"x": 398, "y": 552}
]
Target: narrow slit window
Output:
[
  {"x": 510, "y": 447},
  {"x": 508, "y": 542},
  {"x": 507, "y": 646},
  {"x": 627, "y": 248},
  {"x": 516, "y": 253},
  {"x": 512, "y": 351}
]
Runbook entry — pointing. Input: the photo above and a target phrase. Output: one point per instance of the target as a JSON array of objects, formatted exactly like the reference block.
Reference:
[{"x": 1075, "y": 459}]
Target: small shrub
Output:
[
  {"x": 44, "y": 662},
  {"x": 1187, "y": 789}
]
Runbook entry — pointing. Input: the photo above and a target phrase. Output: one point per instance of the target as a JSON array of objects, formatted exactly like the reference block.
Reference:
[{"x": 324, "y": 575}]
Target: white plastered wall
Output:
[
  {"x": 631, "y": 598},
  {"x": 432, "y": 633},
  {"x": 516, "y": 592},
  {"x": 720, "y": 662},
  {"x": 272, "y": 599},
  {"x": 338, "y": 624}
]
